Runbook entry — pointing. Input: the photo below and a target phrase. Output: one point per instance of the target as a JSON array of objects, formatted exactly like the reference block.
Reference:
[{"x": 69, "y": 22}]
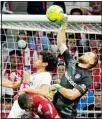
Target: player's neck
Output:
[{"x": 41, "y": 70}]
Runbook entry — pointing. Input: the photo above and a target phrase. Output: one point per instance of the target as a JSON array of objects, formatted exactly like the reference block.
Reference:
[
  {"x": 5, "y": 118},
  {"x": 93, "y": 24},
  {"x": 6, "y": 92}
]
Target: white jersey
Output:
[{"x": 38, "y": 79}]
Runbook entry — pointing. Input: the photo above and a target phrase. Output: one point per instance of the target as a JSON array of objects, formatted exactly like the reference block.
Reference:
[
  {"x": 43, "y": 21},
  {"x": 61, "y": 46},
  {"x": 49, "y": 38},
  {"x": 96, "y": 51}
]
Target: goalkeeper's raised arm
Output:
[
  {"x": 61, "y": 42},
  {"x": 61, "y": 38}
]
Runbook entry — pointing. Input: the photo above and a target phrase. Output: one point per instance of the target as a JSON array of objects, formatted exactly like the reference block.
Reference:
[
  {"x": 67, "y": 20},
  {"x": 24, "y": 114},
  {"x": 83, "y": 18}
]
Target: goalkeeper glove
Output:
[
  {"x": 64, "y": 22},
  {"x": 51, "y": 94}
]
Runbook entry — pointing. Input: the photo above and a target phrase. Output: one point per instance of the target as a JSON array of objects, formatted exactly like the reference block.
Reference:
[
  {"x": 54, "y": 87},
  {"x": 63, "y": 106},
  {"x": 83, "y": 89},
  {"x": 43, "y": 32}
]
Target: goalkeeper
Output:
[{"x": 76, "y": 80}]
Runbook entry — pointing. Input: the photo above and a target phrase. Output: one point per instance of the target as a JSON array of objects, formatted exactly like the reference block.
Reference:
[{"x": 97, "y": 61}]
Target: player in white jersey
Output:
[{"x": 39, "y": 82}]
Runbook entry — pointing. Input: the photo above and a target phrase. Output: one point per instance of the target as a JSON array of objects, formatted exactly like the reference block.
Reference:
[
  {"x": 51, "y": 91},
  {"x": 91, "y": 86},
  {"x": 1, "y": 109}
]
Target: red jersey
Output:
[
  {"x": 44, "y": 108},
  {"x": 12, "y": 75}
]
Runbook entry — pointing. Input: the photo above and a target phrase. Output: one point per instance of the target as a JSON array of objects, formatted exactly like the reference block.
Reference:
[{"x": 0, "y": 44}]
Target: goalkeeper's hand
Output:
[
  {"x": 56, "y": 87},
  {"x": 53, "y": 89},
  {"x": 64, "y": 22},
  {"x": 51, "y": 94}
]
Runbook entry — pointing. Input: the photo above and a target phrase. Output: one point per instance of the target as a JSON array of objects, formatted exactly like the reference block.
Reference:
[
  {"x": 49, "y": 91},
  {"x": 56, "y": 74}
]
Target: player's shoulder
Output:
[
  {"x": 45, "y": 73},
  {"x": 33, "y": 74}
]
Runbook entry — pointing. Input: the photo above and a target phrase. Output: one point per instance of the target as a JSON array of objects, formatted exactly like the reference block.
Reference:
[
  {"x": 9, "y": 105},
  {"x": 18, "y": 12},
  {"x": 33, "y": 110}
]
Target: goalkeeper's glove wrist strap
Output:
[{"x": 58, "y": 87}]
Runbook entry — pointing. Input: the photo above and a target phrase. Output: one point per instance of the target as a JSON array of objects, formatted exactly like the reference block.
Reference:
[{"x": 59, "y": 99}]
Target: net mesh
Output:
[
  {"x": 42, "y": 36},
  {"x": 94, "y": 28}
]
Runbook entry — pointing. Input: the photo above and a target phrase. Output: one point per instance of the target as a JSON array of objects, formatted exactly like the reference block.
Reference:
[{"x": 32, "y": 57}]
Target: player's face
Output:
[
  {"x": 30, "y": 105},
  {"x": 14, "y": 60},
  {"x": 86, "y": 58},
  {"x": 97, "y": 6},
  {"x": 94, "y": 43},
  {"x": 61, "y": 70},
  {"x": 38, "y": 63},
  {"x": 23, "y": 36},
  {"x": 98, "y": 100},
  {"x": 72, "y": 43}
]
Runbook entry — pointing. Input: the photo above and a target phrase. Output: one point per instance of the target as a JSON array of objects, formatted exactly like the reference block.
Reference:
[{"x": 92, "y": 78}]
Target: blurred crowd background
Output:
[{"x": 81, "y": 8}]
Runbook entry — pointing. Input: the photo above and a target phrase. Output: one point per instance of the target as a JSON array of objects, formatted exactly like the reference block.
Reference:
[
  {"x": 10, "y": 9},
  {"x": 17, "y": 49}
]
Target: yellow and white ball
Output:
[{"x": 54, "y": 13}]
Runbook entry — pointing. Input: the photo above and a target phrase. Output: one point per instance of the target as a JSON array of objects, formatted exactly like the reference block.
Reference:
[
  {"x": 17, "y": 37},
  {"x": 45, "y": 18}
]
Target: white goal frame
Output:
[{"x": 76, "y": 23}]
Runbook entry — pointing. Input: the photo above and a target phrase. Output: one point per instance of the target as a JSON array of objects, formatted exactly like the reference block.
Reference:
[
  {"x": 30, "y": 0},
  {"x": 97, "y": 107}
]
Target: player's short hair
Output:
[
  {"x": 95, "y": 61},
  {"x": 51, "y": 59},
  {"x": 76, "y": 10},
  {"x": 22, "y": 32},
  {"x": 95, "y": 37},
  {"x": 15, "y": 52},
  {"x": 99, "y": 88},
  {"x": 71, "y": 36},
  {"x": 23, "y": 101}
]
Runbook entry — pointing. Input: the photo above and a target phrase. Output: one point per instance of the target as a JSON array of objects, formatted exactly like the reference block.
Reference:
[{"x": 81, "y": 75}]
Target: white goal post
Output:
[{"x": 76, "y": 24}]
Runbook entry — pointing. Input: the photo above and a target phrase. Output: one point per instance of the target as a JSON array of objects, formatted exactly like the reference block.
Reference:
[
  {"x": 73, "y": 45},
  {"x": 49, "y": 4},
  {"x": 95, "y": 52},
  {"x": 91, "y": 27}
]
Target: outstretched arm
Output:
[
  {"x": 11, "y": 84},
  {"x": 43, "y": 90},
  {"x": 61, "y": 42},
  {"x": 77, "y": 91}
]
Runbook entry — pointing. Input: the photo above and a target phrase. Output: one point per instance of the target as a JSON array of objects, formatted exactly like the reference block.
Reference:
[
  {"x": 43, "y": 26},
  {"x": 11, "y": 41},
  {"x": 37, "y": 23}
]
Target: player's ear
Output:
[
  {"x": 91, "y": 62},
  {"x": 45, "y": 64}
]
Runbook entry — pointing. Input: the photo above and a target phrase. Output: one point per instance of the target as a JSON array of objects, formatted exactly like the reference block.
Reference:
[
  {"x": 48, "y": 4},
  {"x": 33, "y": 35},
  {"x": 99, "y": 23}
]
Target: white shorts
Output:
[{"x": 17, "y": 112}]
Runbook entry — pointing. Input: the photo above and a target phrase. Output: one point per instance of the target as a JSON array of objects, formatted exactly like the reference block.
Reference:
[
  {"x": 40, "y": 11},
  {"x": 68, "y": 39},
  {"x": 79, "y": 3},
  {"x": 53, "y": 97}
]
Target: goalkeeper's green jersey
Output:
[{"x": 75, "y": 77}]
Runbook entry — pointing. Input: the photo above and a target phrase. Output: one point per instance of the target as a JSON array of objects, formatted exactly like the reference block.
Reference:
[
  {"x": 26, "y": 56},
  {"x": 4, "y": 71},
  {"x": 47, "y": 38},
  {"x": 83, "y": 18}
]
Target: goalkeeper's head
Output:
[
  {"x": 46, "y": 61},
  {"x": 88, "y": 60}
]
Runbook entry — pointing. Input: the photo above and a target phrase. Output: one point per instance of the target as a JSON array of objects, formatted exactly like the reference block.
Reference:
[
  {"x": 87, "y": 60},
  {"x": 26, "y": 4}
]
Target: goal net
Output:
[{"x": 83, "y": 34}]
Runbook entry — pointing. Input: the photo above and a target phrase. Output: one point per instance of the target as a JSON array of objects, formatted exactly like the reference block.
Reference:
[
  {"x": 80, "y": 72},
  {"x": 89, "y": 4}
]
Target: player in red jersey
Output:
[{"x": 39, "y": 105}]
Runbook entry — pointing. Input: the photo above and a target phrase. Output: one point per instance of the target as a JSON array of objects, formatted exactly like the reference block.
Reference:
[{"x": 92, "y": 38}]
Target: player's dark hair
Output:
[
  {"x": 95, "y": 61},
  {"x": 71, "y": 36},
  {"x": 95, "y": 36},
  {"x": 76, "y": 10},
  {"x": 22, "y": 32},
  {"x": 23, "y": 101},
  {"x": 99, "y": 88},
  {"x": 49, "y": 58},
  {"x": 15, "y": 52}
]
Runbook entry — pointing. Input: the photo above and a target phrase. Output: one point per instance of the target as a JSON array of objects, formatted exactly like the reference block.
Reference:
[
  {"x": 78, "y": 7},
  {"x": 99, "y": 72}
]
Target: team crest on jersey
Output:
[
  {"x": 77, "y": 76},
  {"x": 83, "y": 86},
  {"x": 24, "y": 116}
]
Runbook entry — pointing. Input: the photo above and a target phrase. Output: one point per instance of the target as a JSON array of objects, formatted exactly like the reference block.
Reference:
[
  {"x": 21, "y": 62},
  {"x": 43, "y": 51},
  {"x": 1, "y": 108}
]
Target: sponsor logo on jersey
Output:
[
  {"x": 70, "y": 80},
  {"x": 77, "y": 76},
  {"x": 24, "y": 116}
]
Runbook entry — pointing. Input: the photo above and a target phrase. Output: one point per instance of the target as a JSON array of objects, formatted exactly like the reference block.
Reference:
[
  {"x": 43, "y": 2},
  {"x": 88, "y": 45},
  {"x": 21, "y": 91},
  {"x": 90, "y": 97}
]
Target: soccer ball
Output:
[
  {"x": 22, "y": 44},
  {"x": 54, "y": 13}
]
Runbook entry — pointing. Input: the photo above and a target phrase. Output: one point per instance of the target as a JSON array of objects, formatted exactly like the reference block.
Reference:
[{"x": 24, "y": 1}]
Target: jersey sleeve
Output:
[
  {"x": 84, "y": 85},
  {"x": 68, "y": 57},
  {"x": 70, "y": 63}
]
